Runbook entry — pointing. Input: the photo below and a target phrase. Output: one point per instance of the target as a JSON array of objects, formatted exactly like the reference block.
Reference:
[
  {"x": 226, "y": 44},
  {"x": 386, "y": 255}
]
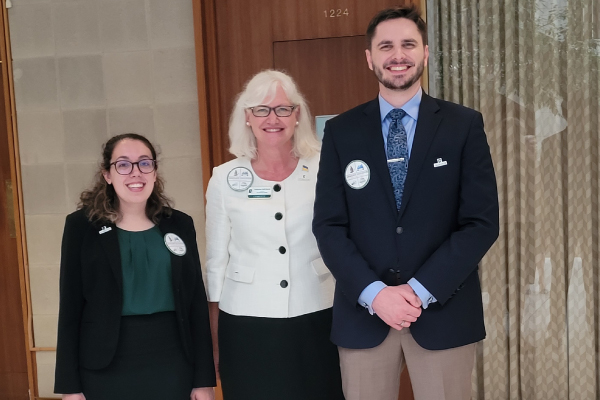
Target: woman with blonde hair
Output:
[
  {"x": 133, "y": 319},
  {"x": 270, "y": 293}
]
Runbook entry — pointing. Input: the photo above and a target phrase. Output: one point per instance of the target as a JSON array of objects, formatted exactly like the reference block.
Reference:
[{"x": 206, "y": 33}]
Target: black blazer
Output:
[
  {"x": 91, "y": 300},
  {"x": 447, "y": 222}
]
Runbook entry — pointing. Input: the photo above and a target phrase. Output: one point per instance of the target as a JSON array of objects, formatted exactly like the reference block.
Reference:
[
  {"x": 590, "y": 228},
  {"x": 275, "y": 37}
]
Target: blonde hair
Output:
[{"x": 260, "y": 90}]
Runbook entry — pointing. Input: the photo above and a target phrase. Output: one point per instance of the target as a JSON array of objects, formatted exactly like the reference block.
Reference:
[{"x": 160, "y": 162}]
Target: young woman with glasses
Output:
[
  {"x": 270, "y": 293},
  {"x": 133, "y": 319}
]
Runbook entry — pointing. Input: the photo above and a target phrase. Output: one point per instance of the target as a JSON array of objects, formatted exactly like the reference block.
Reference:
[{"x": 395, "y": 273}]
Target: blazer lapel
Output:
[
  {"x": 427, "y": 125},
  {"x": 109, "y": 240},
  {"x": 166, "y": 226},
  {"x": 372, "y": 126}
]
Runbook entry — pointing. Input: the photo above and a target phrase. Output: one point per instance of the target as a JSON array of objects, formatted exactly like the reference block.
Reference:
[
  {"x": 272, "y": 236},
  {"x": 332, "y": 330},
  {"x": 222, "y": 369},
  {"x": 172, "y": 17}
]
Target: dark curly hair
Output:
[{"x": 101, "y": 202}]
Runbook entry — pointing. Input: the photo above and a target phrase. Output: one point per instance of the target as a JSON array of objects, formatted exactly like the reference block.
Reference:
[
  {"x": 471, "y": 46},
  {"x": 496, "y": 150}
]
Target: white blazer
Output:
[{"x": 262, "y": 257}]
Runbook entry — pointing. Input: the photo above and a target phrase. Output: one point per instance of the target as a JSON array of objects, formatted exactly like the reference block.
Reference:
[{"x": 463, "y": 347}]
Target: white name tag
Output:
[
  {"x": 175, "y": 244},
  {"x": 357, "y": 174},
  {"x": 440, "y": 163},
  {"x": 260, "y": 192},
  {"x": 240, "y": 179}
]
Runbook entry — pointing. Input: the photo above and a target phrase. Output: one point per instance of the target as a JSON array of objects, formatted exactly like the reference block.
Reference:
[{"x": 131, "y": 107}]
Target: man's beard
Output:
[{"x": 391, "y": 83}]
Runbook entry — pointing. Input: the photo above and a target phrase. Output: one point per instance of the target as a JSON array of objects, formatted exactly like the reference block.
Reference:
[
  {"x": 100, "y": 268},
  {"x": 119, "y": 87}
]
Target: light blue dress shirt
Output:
[{"x": 410, "y": 124}]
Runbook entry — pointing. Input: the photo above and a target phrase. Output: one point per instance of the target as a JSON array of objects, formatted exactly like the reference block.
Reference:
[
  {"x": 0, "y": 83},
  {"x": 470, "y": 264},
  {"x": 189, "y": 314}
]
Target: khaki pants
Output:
[{"x": 374, "y": 374}]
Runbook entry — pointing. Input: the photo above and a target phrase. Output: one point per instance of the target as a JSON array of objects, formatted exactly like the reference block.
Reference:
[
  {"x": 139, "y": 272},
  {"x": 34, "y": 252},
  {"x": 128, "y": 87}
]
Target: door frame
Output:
[
  {"x": 6, "y": 71},
  {"x": 205, "y": 38}
]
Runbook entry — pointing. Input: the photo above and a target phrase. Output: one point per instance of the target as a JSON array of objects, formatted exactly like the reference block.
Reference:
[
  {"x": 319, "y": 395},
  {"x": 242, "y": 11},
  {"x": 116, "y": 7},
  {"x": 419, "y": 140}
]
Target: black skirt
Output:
[
  {"x": 149, "y": 363},
  {"x": 278, "y": 358}
]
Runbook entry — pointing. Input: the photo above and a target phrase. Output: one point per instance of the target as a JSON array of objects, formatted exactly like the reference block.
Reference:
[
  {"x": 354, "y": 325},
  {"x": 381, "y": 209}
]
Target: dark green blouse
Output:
[{"x": 146, "y": 266}]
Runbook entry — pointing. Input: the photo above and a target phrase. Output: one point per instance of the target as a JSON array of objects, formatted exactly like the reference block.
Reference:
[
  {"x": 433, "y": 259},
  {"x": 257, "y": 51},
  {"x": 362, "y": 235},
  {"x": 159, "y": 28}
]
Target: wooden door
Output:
[
  {"x": 320, "y": 43},
  {"x": 235, "y": 39},
  {"x": 14, "y": 381},
  {"x": 344, "y": 81}
]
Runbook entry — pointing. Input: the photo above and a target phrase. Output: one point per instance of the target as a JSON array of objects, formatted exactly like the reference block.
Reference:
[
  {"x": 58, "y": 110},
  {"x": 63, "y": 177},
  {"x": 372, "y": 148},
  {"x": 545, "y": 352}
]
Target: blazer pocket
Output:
[
  {"x": 319, "y": 267},
  {"x": 239, "y": 273}
]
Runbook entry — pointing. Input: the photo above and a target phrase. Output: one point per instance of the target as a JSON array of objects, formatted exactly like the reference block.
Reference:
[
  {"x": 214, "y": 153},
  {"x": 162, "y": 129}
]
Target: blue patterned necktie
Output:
[{"x": 397, "y": 153}]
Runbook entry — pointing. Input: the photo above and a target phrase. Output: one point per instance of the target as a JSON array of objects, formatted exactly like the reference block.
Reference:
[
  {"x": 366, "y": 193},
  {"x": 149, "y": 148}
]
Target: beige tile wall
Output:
[{"x": 85, "y": 70}]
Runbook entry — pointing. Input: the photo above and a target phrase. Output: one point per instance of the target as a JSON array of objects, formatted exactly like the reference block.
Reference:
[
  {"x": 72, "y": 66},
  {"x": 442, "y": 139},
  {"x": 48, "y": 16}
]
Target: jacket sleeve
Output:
[
  {"x": 218, "y": 233},
  {"x": 478, "y": 220},
  {"x": 331, "y": 225},
  {"x": 70, "y": 306},
  {"x": 204, "y": 367}
]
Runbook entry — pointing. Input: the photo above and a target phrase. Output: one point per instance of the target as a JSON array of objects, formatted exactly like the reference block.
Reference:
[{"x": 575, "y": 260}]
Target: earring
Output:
[
  {"x": 247, "y": 123},
  {"x": 297, "y": 123}
]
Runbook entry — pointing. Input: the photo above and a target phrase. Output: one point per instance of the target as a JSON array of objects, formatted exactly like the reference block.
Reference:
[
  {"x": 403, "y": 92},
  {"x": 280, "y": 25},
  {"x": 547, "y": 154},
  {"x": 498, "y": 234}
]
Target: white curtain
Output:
[{"x": 531, "y": 68}]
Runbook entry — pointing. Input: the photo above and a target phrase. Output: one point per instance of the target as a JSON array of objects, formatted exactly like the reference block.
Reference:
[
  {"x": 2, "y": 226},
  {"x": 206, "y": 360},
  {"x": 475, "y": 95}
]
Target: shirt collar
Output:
[{"x": 411, "y": 108}]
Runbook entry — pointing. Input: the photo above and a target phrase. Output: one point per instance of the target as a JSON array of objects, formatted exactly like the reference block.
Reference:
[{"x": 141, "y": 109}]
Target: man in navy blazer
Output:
[{"x": 412, "y": 268}]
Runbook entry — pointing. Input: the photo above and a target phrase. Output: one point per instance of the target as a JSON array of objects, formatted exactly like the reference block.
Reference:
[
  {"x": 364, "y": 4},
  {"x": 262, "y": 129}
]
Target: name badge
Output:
[
  {"x": 357, "y": 174},
  {"x": 260, "y": 192},
  {"x": 240, "y": 179},
  {"x": 175, "y": 244},
  {"x": 440, "y": 163}
]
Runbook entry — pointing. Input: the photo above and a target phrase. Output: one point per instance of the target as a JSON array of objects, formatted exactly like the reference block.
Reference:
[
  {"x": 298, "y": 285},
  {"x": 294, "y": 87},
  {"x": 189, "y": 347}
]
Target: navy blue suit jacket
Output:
[{"x": 448, "y": 221}]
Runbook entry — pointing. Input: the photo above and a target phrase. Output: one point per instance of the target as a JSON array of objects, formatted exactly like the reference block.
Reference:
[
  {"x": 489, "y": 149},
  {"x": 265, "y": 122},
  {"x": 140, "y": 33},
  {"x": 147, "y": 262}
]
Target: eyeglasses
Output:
[
  {"x": 280, "y": 111},
  {"x": 124, "y": 167}
]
